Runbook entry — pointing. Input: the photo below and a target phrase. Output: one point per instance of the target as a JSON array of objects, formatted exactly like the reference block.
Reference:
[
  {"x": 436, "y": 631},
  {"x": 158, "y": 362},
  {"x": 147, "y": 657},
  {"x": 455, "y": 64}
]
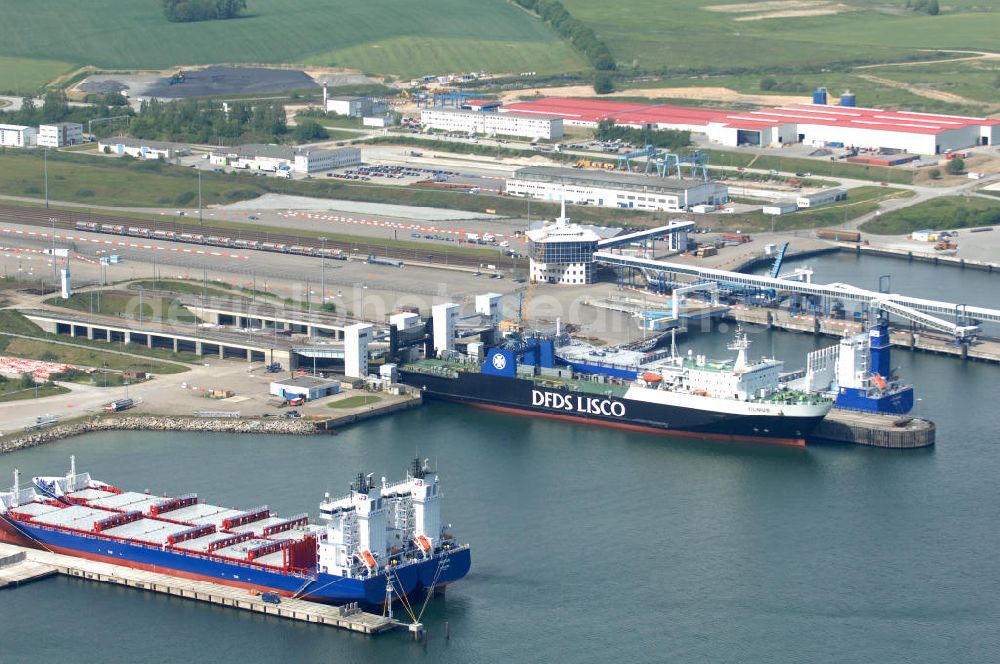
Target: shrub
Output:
[
  {"x": 185, "y": 197},
  {"x": 309, "y": 130},
  {"x": 956, "y": 166},
  {"x": 603, "y": 84},
  {"x": 185, "y": 11},
  {"x": 85, "y": 193},
  {"x": 934, "y": 173}
]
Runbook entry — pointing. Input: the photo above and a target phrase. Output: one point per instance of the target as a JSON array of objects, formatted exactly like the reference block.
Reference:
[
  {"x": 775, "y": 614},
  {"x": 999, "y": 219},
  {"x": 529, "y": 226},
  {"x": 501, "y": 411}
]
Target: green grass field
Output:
[
  {"x": 972, "y": 80},
  {"x": 83, "y": 352},
  {"x": 21, "y": 76},
  {"x": 355, "y": 401},
  {"x": 118, "y": 303},
  {"x": 862, "y": 200},
  {"x": 376, "y": 36},
  {"x": 193, "y": 287},
  {"x": 687, "y": 34},
  {"x": 12, "y": 391},
  {"x": 88, "y": 357},
  {"x": 944, "y": 213},
  {"x": 818, "y": 168}
]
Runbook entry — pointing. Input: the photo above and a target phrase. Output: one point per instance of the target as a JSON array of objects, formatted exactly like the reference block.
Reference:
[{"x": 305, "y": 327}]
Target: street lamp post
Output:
[
  {"x": 52, "y": 236},
  {"x": 322, "y": 288},
  {"x": 200, "y": 218}
]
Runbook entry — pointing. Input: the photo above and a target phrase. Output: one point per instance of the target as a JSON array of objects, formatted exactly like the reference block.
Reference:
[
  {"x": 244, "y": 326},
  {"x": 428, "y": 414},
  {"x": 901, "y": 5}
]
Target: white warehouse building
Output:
[
  {"x": 59, "y": 134},
  {"x": 142, "y": 149},
  {"x": 491, "y": 124},
  {"x": 271, "y": 158},
  {"x": 17, "y": 136},
  {"x": 617, "y": 190}
]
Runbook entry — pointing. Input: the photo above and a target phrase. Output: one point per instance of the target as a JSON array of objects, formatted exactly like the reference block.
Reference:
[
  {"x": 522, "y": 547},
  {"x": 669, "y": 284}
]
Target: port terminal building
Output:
[
  {"x": 818, "y": 124},
  {"x": 562, "y": 252},
  {"x": 617, "y": 190}
]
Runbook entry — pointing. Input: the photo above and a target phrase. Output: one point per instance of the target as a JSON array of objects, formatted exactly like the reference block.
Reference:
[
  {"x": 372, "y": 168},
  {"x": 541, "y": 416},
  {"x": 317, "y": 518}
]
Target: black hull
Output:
[{"x": 520, "y": 395}]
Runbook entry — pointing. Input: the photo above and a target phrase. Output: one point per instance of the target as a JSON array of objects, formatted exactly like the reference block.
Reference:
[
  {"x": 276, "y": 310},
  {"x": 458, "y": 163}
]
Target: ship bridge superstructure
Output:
[{"x": 376, "y": 524}]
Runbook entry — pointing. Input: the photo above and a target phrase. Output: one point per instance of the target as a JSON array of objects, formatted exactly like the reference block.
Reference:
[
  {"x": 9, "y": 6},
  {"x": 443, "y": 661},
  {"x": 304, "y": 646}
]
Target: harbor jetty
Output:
[
  {"x": 288, "y": 426},
  {"x": 28, "y": 564}
]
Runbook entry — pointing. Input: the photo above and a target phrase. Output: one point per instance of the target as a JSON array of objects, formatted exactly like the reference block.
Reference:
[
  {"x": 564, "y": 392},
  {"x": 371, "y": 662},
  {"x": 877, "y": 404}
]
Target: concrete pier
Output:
[
  {"x": 15, "y": 568},
  {"x": 890, "y": 431},
  {"x": 344, "y": 617},
  {"x": 983, "y": 350}
]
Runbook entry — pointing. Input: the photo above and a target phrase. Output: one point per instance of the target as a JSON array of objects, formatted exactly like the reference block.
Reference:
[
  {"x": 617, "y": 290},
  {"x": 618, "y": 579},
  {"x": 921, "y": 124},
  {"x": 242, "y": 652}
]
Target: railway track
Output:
[{"x": 170, "y": 230}]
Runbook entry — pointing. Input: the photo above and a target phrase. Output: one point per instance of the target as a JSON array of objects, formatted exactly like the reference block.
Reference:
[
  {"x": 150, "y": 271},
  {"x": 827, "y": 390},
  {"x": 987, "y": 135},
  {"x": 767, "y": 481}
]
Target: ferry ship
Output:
[
  {"x": 376, "y": 542},
  {"x": 735, "y": 399}
]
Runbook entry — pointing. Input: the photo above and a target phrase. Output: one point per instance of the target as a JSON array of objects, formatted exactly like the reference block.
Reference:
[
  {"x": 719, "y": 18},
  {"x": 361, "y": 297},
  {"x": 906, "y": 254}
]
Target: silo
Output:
[
  {"x": 819, "y": 96},
  {"x": 848, "y": 99}
]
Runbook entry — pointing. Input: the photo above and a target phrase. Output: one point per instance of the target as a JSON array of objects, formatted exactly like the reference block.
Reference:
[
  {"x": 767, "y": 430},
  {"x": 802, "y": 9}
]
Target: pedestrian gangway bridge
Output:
[
  {"x": 919, "y": 310},
  {"x": 675, "y": 225}
]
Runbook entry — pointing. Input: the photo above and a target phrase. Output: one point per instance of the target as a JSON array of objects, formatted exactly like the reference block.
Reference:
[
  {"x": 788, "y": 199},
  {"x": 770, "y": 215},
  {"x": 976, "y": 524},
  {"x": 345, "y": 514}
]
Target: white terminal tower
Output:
[
  {"x": 444, "y": 316},
  {"x": 489, "y": 305},
  {"x": 561, "y": 252},
  {"x": 356, "y": 340}
]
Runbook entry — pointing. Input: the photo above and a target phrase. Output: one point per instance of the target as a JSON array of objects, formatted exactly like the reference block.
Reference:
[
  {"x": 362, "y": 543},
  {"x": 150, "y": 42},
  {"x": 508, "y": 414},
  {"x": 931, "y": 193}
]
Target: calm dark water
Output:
[{"x": 593, "y": 545}]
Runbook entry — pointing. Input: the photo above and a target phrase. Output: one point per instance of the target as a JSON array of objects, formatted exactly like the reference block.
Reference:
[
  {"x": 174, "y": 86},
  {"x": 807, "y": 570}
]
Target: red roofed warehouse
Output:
[{"x": 814, "y": 124}]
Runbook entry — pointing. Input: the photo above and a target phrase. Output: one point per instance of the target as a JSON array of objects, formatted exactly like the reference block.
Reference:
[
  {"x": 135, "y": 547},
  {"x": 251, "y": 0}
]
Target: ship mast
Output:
[{"x": 740, "y": 344}]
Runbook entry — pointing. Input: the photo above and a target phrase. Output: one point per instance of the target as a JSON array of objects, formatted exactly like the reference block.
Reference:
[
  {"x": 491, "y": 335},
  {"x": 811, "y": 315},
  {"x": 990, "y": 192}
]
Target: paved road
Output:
[{"x": 162, "y": 394}]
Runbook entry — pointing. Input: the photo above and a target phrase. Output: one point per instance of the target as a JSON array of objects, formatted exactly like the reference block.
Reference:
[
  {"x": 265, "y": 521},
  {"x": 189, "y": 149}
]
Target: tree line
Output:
[
  {"x": 186, "y": 11},
  {"x": 581, "y": 36},
  {"x": 207, "y": 121},
  {"x": 55, "y": 108},
  {"x": 669, "y": 139}
]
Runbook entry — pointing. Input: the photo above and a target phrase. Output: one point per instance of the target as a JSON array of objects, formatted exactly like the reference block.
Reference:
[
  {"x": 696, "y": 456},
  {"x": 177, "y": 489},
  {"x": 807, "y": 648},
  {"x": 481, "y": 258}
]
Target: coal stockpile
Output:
[{"x": 215, "y": 81}]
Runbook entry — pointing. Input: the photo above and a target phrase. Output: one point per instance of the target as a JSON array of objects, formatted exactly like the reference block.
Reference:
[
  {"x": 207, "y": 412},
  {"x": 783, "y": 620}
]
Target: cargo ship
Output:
[
  {"x": 734, "y": 400},
  {"x": 374, "y": 543}
]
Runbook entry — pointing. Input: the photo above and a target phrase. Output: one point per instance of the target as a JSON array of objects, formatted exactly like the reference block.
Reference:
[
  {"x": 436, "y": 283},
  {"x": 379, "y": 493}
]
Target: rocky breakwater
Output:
[{"x": 15, "y": 442}]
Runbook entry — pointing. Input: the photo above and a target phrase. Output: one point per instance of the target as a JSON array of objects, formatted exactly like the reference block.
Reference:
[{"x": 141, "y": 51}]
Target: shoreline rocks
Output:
[{"x": 299, "y": 427}]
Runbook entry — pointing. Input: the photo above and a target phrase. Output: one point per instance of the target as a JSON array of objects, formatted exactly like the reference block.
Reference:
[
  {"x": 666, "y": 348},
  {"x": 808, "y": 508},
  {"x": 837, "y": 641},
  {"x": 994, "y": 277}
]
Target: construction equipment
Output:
[{"x": 585, "y": 163}]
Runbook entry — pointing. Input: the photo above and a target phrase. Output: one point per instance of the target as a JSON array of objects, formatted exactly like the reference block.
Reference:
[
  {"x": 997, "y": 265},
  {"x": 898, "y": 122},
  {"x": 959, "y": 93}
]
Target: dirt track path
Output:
[
  {"x": 921, "y": 92},
  {"x": 720, "y": 94},
  {"x": 973, "y": 55}
]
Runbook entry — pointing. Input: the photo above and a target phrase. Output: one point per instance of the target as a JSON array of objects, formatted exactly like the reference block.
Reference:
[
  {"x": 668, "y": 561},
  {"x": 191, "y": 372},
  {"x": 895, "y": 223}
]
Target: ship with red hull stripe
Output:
[
  {"x": 692, "y": 396},
  {"x": 376, "y": 542}
]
